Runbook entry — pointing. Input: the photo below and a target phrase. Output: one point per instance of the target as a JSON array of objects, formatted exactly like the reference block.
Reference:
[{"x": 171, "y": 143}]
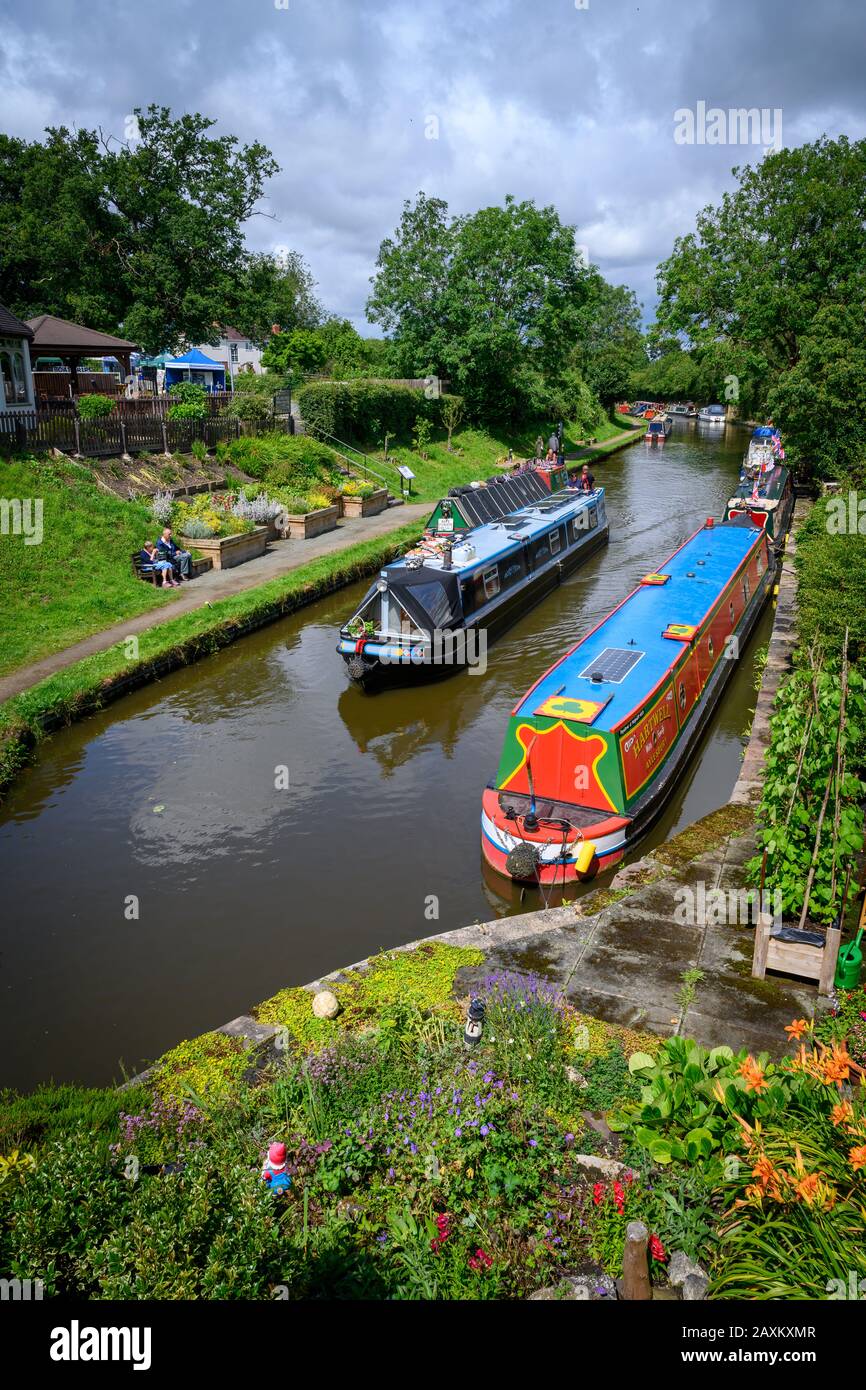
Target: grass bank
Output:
[
  {"x": 478, "y": 453},
  {"x": 77, "y": 579},
  {"x": 90, "y": 684}
]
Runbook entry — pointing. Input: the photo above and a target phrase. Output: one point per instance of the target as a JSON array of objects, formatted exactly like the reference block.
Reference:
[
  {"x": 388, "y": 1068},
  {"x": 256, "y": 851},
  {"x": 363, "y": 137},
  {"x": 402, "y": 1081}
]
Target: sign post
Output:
[{"x": 406, "y": 476}]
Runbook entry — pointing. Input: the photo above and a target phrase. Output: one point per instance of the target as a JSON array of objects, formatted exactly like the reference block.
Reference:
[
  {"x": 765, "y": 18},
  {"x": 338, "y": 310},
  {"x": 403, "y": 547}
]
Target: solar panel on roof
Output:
[
  {"x": 469, "y": 506},
  {"x": 613, "y": 664}
]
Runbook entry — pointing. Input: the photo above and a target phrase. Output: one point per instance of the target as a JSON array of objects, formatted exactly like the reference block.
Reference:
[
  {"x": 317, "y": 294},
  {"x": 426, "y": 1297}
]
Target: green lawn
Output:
[
  {"x": 479, "y": 451},
  {"x": 78, "y": 580}
]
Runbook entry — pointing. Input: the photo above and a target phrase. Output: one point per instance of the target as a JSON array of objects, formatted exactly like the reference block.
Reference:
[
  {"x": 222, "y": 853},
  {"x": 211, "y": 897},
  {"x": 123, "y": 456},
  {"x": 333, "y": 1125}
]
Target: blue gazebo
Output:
[{"x": 195, "y": 366}]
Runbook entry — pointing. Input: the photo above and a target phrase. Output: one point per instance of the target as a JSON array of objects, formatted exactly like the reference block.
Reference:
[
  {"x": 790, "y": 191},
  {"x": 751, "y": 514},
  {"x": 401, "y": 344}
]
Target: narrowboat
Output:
[
  {"x": 595, "y": 747},
  {"x": 658, "y": 429},
  {"x": 489, "y": 552},
  {"x": 678, "y": 409},
  {"x": 766, "y": 489},
  {"x": 713, "y": 415}
]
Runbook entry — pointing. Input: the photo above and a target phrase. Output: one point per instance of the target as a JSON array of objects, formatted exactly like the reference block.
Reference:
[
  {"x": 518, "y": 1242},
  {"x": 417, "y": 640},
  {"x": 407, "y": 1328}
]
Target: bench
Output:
[{"x": 140, "y": 571}]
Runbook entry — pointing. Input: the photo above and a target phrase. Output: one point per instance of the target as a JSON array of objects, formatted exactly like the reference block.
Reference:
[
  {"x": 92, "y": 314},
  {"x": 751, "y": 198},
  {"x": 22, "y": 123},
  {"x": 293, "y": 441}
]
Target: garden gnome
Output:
[
  {"x": 274, "y": 1169},
  {"x": 474, "y": 1023}
]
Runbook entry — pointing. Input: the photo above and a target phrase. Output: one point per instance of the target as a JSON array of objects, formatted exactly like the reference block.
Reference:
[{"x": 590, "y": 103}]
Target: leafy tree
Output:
[
  {"x": 611, "y": 345},
  {"x": 275, "y": 292},
  {"x": 146, "y": 237},
  {"x": 822, "y": 399},
  {"x": 300, "y": 351},
  {"x": 748, "y": 286},
  {"x": 493, "y": 301},
  {"x": 451, "y": 414}
]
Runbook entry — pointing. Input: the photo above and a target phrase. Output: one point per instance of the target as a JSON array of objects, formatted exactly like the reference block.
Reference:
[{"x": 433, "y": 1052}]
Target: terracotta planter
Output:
[
  {"x": 227, "y": 551},
  {"x": 303, "y": 528},
  {"x": 370, "y": 505}
]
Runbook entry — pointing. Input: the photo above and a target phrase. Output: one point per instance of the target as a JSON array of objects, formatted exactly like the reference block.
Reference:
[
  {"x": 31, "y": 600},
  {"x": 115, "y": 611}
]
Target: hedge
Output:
[{"x": 364, "y": 410}]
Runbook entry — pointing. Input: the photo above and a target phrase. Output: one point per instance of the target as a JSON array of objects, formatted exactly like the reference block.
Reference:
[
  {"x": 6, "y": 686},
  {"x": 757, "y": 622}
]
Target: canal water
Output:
[{"x": 173, "y": 799}]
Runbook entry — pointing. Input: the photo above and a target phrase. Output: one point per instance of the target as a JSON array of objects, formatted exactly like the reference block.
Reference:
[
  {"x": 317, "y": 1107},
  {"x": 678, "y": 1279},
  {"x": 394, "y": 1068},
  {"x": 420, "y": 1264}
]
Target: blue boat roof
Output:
[
  {"x": 699, "y": 572},
  {"x": 497, "y": 538}
]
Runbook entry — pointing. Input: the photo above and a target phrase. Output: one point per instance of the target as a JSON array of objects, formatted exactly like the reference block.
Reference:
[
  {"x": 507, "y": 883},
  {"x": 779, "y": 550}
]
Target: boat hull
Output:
[
  {"x": 466, "y": 651},
  {"x": 613, "y": 836}
]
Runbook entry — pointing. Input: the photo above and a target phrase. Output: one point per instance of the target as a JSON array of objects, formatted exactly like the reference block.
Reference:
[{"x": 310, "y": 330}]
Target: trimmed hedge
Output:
[{"x": 364, "y": 410}]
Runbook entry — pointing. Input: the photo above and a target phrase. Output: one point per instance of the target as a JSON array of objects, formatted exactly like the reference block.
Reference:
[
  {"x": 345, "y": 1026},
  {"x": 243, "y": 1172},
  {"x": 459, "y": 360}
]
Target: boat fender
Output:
[
  {"x": 584, "y": 857},
  {"x": 357, "y": 667},
  {"x": 522, "y": 862}
]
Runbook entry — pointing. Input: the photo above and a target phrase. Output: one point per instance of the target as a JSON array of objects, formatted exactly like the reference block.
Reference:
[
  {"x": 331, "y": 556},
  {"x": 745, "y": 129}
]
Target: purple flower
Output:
[
  {"x": 533, "y": 1143},
  {"x": 457, "y": 1133},
  {"x": 485, "y": 1130}
]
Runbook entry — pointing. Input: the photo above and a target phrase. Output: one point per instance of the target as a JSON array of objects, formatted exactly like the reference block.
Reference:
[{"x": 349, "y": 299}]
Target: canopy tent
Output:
[
  {"x": 196, "y": 367},
  {"x": 72, "y": 342}
]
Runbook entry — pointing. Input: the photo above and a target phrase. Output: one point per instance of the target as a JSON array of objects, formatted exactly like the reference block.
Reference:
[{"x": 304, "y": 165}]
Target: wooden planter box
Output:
[
  {"x": 303, "y": 528},
  {"x": 371, "y": 505},
  {"x": 227, "y": 551}
]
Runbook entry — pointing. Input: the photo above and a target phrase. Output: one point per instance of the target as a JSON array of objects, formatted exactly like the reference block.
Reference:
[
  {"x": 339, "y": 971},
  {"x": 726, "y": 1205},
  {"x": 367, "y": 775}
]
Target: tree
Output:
[
  {"x": 451, "y": 414},
  {"x": 611, "y": 344},
  {"x": 492, "y": 301},
  {"x": 300, "y": 351},
  {"x": 146, "y": 237},
  {"x": 275, "y": 291},
  {"x": 822, "y": 399},
  {"x": 748, "y": 286}
]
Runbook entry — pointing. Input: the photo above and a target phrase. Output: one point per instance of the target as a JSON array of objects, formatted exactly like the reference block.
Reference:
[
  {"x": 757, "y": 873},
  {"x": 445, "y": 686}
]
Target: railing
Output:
[{"x": 363, "y": 466}]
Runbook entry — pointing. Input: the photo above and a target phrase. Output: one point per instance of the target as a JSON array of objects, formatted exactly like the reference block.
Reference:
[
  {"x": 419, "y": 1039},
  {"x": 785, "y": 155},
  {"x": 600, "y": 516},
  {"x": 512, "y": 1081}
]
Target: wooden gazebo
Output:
[{"x": 72, "y": 342}]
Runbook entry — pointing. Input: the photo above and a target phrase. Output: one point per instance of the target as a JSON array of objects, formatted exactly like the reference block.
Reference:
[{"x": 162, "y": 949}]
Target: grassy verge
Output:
[
  {"x": 77, "y": 579},
  {"x": 89, "y": 684},
  {"x": 477, "y": 454}
]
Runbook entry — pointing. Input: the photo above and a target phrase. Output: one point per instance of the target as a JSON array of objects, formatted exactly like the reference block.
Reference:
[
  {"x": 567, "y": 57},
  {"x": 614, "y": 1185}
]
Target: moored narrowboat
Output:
[
  {"x": 658, "y": 429},
  {"x": 766, "y": 489},
  {"x": 713, "y": 415},
  {"x": 488, "y": 554},
  {"x": 595, "y": 747}
]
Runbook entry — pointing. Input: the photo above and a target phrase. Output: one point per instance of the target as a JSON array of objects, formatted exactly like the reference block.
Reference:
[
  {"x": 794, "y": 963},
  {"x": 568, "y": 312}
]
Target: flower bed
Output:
[
  {"x": 225, "y": 552},
  {"x": 368, "y": 502},
  {"x": 304, "y": 525}
]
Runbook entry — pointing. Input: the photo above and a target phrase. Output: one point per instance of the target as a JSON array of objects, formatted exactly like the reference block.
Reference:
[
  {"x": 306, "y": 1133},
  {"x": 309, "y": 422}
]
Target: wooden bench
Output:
[{"x": 139, "y": 570}]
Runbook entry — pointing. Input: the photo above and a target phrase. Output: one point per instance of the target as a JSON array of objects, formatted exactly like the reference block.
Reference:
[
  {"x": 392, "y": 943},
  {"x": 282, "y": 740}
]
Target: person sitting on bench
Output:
[
  {"x": 180, "y": 559},
  {"x": 151, "y": 562}
]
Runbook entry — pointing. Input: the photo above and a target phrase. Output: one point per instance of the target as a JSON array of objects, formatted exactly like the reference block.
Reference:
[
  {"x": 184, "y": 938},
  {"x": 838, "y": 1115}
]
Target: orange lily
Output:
[
  {"x": 857, "y": 1157},
  {"x": 797, "y": 1028},
  {"x": 842, "y": 1113}
]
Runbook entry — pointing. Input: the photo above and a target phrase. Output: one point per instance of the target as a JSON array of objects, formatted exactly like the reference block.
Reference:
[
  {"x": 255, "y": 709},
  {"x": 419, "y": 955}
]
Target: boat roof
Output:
[
  {"x": 770, "y": 484},
  {"x": 629, "y": 644},
  {"x": 498, "y": 538}
]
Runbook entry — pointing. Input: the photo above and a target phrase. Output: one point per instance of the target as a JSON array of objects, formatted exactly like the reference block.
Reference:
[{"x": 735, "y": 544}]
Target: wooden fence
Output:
[
  {"x": 59, "y": 384},
  {"x": 115, "y": 435}
]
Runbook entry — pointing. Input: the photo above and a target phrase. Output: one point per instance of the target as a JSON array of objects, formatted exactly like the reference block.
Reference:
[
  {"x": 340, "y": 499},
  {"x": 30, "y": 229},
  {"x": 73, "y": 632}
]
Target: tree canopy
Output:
[
  {"x": 494, "y": 301},
  {"x": 145, "y": 237},
  {"x": 776, "y": 273}
]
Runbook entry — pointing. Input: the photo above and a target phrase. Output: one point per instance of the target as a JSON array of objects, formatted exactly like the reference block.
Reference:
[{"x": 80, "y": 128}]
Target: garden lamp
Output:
[{"x": 474, "y": 1023}]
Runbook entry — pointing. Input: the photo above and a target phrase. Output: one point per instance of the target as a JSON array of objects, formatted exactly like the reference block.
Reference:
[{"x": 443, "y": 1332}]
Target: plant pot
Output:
[
  {"x": 227, "y": 551},
  {"x": 303, "y": 528},
  {"x": 371, "y": 505}
]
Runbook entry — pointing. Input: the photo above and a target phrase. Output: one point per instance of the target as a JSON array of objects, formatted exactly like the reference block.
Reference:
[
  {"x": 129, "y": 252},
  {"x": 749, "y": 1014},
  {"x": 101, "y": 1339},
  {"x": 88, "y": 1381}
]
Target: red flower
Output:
[
  {"x": 598, "y": 1193},
  {"x": 656, "y": 1249}
]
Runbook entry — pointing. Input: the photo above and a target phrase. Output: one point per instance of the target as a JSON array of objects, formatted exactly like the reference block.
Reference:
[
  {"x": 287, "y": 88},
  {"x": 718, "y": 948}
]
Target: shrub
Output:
[
  {"x": 281, "y": 459},
  {"x": 94, "y": 407},
  {"x": 249, "y": 406},
  {"x": 355, "y": 487},
  {"x": 161, "y": 507},
  {"x": 317, "y": 500},
  {"x": 364, "y": 410},
  {"x": 188, "y": 393},
  {"x": 198, "y": 449},
  {"x": 188, "y": 410}
]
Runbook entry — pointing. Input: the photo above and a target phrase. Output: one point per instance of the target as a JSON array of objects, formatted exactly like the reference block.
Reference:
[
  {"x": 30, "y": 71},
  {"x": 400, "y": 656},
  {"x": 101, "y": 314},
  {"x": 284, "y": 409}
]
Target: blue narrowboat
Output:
[{"x": 489, "y": 553}]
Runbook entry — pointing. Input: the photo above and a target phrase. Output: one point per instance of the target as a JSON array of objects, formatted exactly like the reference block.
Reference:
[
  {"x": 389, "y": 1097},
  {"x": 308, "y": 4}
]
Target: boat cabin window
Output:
[
  {"x": 434, "y": 600},
  {"x": 491, "y": 582},
  {"x": 731, "y": 612},
  {"x": 760, "y": 563},
  {"x": 555, "y": 542},
  {"x": 710, "y": 648},
  {"x": 746, "y": 587}
]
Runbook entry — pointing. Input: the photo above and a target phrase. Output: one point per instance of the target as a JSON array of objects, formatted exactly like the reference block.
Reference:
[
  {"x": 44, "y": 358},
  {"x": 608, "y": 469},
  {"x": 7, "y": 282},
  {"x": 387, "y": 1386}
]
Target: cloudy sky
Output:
[{"x": 364, "y": 102}]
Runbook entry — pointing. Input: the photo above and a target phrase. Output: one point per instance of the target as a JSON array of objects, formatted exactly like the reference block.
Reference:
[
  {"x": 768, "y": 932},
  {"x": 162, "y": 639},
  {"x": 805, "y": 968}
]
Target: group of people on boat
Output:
[{"x": 166, "y": 559}]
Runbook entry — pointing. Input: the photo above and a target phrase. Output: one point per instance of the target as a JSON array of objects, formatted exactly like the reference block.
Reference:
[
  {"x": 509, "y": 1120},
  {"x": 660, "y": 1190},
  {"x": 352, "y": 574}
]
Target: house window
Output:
[
  {"x": 491, "y": 582},
  {"x": 233, "y": 352},
  {"x": 555, "y": 542},
  {"x": 248, "y": 347},
  {"x": 14, "y": 377}
]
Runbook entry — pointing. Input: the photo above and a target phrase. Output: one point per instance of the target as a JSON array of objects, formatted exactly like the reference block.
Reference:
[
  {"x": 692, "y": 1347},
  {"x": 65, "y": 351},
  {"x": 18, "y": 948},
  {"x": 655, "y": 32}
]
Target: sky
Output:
[{"x": 576, "y": 103}]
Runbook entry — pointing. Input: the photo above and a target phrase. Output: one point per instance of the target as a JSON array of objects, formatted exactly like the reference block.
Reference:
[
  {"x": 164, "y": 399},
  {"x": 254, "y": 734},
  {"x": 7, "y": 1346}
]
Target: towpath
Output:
[{"x": 281, "y": 558}]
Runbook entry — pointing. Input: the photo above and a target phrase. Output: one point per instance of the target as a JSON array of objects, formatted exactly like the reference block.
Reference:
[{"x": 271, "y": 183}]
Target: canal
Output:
[{"x": 172, "y": 803}]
